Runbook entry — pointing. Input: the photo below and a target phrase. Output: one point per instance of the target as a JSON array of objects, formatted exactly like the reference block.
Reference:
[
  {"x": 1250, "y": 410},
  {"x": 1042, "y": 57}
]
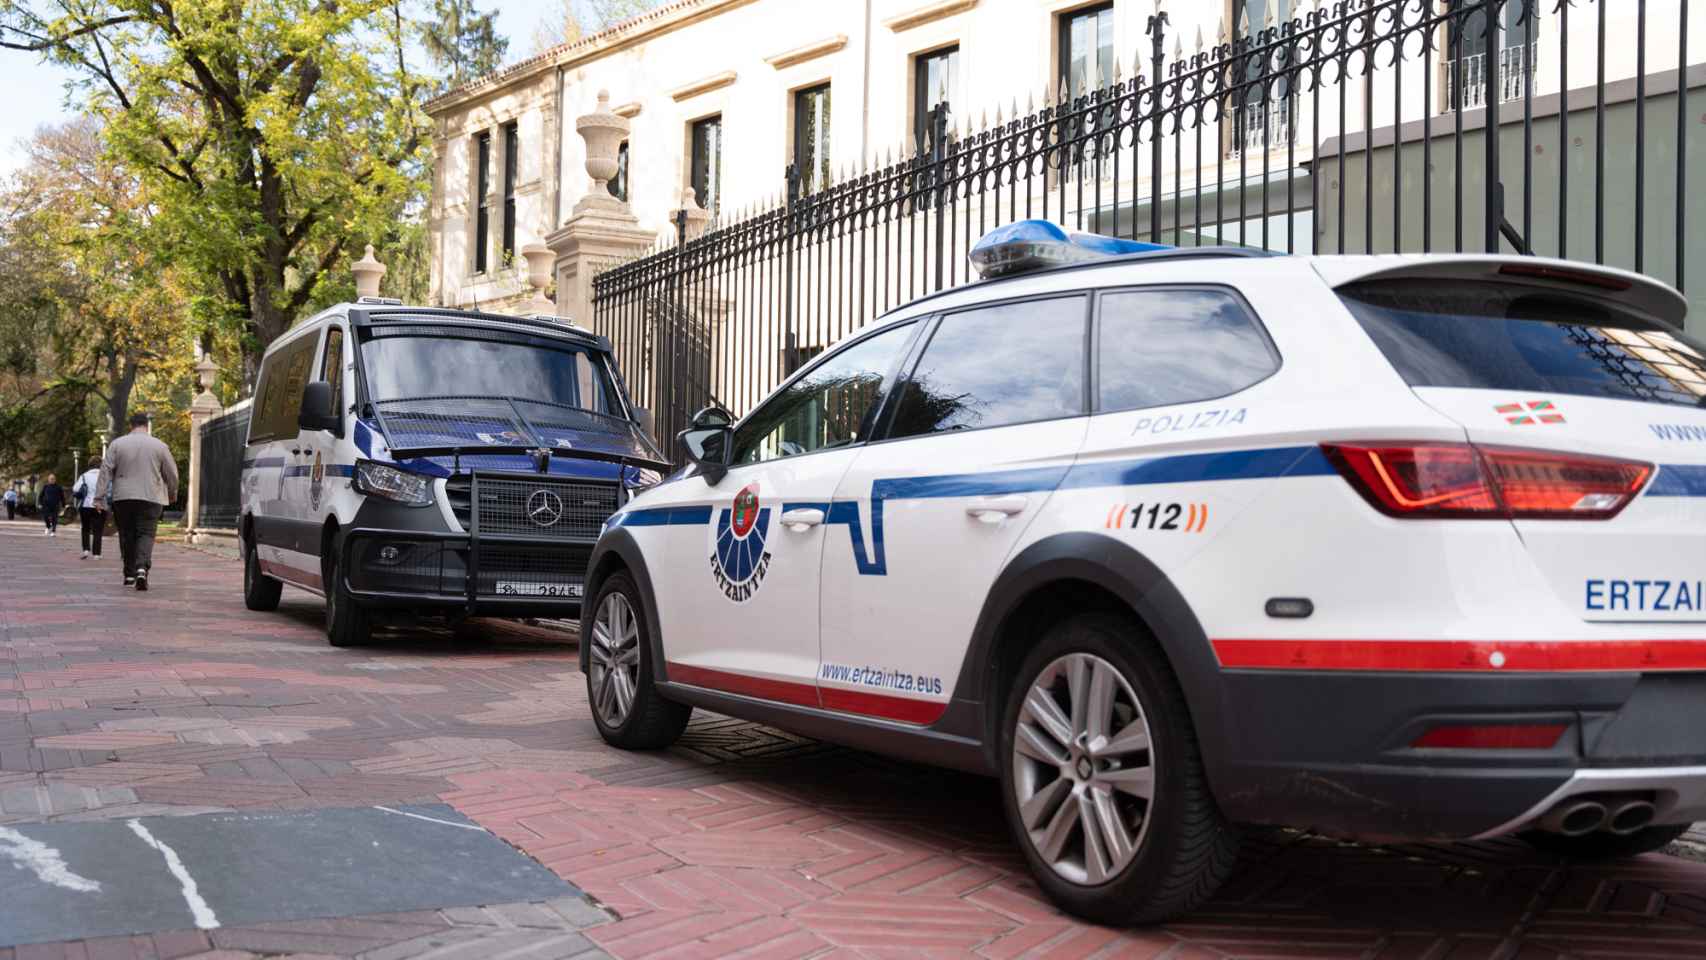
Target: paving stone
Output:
[{"x": 740, "y": 840}]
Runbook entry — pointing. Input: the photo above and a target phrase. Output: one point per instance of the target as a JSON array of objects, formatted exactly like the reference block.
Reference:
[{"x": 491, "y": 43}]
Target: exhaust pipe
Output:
[
  {"x": 1575, "y": 818},
  {"x": 1629, "y": 816}
]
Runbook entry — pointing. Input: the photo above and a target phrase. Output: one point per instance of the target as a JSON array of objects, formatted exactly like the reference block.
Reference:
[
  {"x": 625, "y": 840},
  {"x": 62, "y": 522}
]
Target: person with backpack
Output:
[
  {"x": 51, "y": 500},
  {"x": 91, "y": 513},
  {"x": 141, "y": 477}
]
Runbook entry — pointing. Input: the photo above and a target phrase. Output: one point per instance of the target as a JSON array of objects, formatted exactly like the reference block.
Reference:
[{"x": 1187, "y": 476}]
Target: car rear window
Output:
[{"x": 1501, "y": 336}]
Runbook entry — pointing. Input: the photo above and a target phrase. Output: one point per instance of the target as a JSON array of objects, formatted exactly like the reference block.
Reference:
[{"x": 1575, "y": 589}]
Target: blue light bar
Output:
[{"x": 1027, "y": 245}]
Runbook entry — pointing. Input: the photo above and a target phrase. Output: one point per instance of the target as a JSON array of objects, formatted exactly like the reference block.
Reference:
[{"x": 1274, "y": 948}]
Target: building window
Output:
[
  {"x": 934, "y": 80},
  {"x": 618, "y": 185},
  {"x": 706, "y": 175},
  {"x": 1466, "y": 54},
  {"x": 512, "y": 160},
  {"x": 1087, "y": 49},
  {"x": 1266, "y": 104},
  {"x": 811, "y": 137},
  {"x": 482, "y": 186}
]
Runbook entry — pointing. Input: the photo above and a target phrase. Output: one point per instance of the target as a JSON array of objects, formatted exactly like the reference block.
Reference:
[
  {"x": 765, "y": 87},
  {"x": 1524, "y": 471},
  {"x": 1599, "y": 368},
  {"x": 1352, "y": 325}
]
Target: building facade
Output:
[{"x": 722, "y": 96}]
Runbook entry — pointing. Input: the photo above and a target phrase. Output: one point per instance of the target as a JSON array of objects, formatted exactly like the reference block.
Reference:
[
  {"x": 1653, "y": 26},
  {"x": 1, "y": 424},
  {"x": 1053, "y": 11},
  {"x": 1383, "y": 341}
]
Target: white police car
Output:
[
  {"x": 403, "y": 460},
  {"x": 1171, "y": 540}
]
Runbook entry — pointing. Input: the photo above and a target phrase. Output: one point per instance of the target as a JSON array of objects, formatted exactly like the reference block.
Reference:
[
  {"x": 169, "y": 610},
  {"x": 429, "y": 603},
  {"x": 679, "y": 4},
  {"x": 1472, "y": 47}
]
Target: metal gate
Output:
[{"x": 221, "y": 499}]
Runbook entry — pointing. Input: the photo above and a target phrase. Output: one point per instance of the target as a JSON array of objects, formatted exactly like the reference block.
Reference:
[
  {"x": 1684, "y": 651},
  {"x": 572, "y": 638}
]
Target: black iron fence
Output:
[
  {"x": 221, "y": 497},
  {"x": 1364, "y": 126}
]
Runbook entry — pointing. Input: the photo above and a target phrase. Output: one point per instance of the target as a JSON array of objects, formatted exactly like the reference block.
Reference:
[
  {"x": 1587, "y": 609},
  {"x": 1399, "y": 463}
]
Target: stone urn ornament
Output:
[
  {"x": 368, "y": 272},
  {"x": 603, "y": 132}
]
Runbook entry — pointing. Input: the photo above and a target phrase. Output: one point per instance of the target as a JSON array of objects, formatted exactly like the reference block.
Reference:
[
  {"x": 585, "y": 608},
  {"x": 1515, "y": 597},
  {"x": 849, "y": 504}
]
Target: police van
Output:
[
  {"x": 1393, "y": 547},
  {"x": 411, "y": 459}
]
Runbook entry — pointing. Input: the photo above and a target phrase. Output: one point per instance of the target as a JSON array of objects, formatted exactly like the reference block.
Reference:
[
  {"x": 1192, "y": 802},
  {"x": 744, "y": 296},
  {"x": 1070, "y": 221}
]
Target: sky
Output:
[{"x": 34, "y": 92}]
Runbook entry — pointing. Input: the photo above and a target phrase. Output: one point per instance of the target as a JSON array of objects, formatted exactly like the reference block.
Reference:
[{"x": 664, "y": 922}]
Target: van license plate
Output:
[{"x": 527, "y": 588}]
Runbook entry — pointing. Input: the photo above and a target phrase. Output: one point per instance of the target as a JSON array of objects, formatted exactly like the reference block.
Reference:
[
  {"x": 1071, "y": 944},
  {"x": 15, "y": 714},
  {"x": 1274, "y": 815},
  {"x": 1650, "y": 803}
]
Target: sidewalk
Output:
[{"x": 742, "y": 840}]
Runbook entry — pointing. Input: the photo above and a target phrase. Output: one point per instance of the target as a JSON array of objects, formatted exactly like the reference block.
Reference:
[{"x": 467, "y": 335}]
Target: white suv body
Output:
[{"x": 1150, "y": 464}]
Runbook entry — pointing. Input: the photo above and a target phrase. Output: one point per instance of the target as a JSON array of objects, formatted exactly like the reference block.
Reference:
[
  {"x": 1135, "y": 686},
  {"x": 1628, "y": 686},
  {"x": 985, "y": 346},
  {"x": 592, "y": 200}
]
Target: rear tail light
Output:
[{"x": 1461, "y": 480}]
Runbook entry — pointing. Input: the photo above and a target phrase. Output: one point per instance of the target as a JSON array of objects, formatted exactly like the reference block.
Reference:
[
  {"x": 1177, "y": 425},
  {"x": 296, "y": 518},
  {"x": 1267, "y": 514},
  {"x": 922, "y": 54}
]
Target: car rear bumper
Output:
[
  {"x": 487, "y": 576},
  {"x": 1338, "y": 751}
]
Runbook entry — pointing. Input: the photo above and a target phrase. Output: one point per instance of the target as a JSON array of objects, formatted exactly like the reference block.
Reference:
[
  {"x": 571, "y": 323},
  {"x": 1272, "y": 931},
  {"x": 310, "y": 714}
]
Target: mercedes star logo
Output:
[{"x": 544, "y": 508}]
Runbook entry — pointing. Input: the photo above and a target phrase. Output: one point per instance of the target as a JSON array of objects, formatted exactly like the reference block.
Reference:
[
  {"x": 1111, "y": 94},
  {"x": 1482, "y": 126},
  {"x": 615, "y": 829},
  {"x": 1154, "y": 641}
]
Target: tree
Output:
[
  {"x": 462, "y": 42},
  {"x": 569, "y": 20},
  {"x": 99, "y": 305},
  {"x": 273, "y": 136}
]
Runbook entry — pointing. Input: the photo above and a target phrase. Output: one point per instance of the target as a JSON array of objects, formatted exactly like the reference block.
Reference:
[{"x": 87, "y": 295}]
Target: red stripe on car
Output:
[
  {"x": 1475, "y": 656},
  {"x": 883, "y": 706}
]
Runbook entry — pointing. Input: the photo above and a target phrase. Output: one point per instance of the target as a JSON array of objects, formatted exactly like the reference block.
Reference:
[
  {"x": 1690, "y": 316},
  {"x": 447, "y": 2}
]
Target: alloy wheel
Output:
[
  {"x": 615, "y": 657},
  {"x": 1083, "y": 768}
]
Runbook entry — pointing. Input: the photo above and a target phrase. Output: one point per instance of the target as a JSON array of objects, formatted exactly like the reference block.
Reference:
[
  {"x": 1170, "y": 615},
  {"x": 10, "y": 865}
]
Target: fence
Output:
[
  {"x": 221, "y": 469},
  {"x": 1242, "y": 142}
]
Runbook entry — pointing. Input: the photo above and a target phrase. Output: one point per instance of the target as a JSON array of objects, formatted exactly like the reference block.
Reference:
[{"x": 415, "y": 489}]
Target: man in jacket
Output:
[{"x": 141, "y": 477}]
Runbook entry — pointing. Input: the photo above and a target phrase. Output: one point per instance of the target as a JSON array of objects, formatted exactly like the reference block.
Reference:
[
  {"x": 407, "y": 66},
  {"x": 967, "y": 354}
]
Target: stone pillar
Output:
[
  {"x": 368, "y": 272},
  {"x": 698, "y": 218},
  {"x": 203, "y": 408},
  {"x": 601, "y": 231}
]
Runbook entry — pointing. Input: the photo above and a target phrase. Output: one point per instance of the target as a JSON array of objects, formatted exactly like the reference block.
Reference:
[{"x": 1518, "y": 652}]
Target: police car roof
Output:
[
  {"x": 1171, "y": 255},
  {"x": 367, "y": 314}
]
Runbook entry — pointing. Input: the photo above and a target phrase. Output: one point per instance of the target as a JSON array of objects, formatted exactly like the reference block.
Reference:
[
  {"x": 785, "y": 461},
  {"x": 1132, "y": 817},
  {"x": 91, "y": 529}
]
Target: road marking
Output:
[
  {"x": 203, "y": 914},
  {"x": 43, "y": 861},
  {"x": 448, "y": 823}
]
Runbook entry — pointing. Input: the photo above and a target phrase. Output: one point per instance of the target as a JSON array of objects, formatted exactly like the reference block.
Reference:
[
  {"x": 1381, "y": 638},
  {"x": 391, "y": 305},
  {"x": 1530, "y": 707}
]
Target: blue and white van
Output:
[{"x": 411, "y": 459}]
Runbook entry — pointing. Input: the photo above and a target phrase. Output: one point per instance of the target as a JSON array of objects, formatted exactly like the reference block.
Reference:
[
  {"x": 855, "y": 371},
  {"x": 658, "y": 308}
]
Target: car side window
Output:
[
  {"x": 995, "y": 366},
  {"x": 279, "y": 397},
  {"x": 1165, "y": 346},
  {"x": 332, "y": 366},
  {"x": 833, "y": 405}
]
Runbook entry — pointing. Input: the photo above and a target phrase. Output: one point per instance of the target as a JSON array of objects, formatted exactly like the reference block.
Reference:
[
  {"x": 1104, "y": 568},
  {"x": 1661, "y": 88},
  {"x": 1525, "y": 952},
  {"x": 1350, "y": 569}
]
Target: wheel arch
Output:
[
  {"x": 1084, "y": 571},
  {"x": 617, "y": 552}
]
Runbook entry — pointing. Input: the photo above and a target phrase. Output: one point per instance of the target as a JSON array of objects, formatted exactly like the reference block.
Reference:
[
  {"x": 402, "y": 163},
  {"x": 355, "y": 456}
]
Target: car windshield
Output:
[
  {"x": 1511, "y": 337},
  {"x": 413, "y": 367}
]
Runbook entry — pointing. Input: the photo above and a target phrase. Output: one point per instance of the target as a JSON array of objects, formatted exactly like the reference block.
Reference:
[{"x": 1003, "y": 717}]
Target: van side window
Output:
[
  {"x": 279, "y": 398},
  {"x": 332, "y": 366},
  {"x": 995, "y": 366},
  {"x": 1165, "y": 346}
]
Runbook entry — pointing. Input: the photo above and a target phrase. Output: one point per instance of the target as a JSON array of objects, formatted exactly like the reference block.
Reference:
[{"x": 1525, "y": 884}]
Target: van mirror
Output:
[
  {"x": 319, "y": 408},
  {"x": 708, "y": 448}
]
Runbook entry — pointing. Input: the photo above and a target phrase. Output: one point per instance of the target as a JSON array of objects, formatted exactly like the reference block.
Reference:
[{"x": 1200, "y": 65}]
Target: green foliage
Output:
[
  {"x": 462, "y": 42},
  {"x": 569, "y": 20}
]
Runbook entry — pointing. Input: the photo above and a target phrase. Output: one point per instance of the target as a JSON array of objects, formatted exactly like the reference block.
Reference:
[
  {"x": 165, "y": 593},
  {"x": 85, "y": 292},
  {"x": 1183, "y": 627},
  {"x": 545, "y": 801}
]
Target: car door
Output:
[
  {"x": 981, "y": 433},
  {"x": 280, "y": 525},
  {"x": 314, "y": 452},
  {"x": 738, "y": 603}
]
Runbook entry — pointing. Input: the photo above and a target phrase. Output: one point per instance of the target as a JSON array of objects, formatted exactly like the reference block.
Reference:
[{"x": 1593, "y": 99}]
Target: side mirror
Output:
[
  {"x": 712, "y": 417},
  {"x": 319, "y": 408},
  {"x": 708, "y": 448},
  {"x": 648, "y": 423}
]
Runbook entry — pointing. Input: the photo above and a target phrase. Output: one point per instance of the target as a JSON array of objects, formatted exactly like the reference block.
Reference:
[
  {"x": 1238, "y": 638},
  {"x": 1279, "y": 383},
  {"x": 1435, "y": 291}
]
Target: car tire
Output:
[
  {"x": 1605, "y": 846},
  {"x": 260, "y": 592},
  {"x": 626, "y": 706},
  {"x": 347, "y": 624},
  {"x": 1173, "y": 848}
]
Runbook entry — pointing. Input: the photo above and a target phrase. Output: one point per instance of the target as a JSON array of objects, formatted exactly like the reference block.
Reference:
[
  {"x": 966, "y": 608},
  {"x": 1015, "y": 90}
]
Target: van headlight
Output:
[{"x": 379, "y": 480}]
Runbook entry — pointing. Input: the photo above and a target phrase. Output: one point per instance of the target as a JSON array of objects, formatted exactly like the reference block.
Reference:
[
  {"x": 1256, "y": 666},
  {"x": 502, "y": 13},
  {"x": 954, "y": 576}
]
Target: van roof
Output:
[{"x": 367, "y": 315}]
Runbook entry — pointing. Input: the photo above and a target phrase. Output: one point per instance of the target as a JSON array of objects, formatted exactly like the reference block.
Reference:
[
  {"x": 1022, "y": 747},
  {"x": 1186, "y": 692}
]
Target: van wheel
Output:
[
  {"x": 626, "y": 705},
  {"x": 1103, "y": 782},
  {"x": 260, "y": 592},
  {"x": 1605, "y": 846},
  {"x": 347, "y": 624}
]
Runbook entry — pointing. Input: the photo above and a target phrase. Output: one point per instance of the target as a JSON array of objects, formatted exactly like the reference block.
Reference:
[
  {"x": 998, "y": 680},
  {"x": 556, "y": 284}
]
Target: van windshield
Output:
[
  {"x": 1501, "y": 336},
  {"x": 413, "y": 367}
]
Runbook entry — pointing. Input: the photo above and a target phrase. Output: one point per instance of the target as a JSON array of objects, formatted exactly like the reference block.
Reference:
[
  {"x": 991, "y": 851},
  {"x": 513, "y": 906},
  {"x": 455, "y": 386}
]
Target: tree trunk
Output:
[{"x": 121, "y": 380}]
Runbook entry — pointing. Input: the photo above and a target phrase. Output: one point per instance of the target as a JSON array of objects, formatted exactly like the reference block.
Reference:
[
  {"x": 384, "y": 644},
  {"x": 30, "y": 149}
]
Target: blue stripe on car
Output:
[{"x": 1678, "y": 480}]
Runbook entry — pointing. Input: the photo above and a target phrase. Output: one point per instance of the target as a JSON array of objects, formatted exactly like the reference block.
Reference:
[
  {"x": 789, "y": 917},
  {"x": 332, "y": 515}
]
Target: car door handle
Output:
[
  {"x": 995, "y": 509},
  {"x": 800, "y": 518},
  {"x": 296, "y": 451}
]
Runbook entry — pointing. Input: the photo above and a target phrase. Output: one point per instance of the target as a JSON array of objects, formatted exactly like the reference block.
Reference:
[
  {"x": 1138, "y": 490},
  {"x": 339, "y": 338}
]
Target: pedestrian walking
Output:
[
  {"x": 140, "y": 477},
  {"x": 11, "y": 499},
  {"x": 51, "y": 500},
  {"x": 91, "y": 513}
]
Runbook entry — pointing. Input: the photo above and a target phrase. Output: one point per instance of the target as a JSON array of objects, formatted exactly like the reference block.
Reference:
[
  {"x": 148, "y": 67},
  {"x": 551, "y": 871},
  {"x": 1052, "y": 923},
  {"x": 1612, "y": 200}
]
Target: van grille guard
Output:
[{"x": 458, "y": 426}]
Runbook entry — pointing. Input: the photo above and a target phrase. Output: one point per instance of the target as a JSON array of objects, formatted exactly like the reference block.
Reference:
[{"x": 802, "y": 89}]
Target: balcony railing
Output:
[
  {"x": 1516, "y": 66},
  {"x": 1269, "y": 126}
]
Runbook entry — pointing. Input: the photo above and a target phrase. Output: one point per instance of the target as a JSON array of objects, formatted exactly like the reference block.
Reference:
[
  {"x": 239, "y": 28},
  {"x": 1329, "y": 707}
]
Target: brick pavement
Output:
[{"x": 742, "y": 840}]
